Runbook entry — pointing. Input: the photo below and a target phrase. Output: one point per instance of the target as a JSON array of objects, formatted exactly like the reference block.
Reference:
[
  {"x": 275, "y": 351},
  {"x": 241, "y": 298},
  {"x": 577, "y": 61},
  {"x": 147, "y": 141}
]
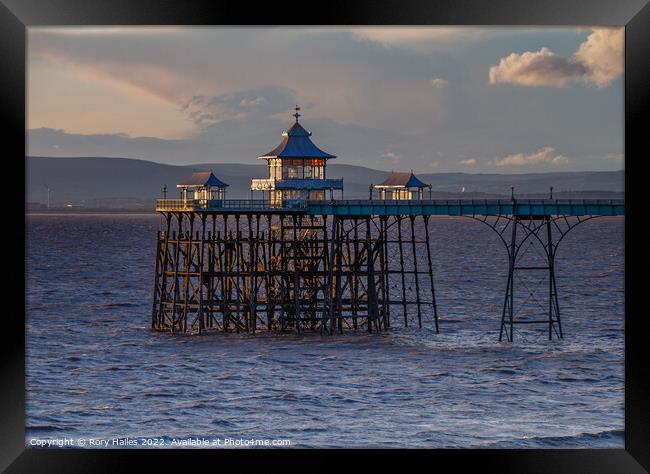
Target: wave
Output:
[
  {"x": 31, "y": 430},
  {"x": 598, "y": 439},
  {"x": 113, "y": 305}
]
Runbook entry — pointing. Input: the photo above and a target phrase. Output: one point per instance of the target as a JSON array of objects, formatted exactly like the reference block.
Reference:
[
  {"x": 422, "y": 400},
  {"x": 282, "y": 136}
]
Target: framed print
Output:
[{"x": 257, "y": 234}]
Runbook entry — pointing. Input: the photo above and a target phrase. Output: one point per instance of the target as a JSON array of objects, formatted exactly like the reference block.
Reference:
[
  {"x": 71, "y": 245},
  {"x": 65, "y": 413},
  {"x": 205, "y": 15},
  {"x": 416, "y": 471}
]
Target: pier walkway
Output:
[{"x": 434, "y": 207}]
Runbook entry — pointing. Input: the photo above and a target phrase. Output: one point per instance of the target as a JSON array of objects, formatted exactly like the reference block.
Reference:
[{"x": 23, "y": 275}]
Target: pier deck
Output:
[{"x": 434, "y": 207}]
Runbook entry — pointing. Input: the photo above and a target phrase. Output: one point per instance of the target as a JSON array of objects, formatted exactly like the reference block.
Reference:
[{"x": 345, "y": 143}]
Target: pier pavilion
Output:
[
  {"x": 297, "y": 169},
  {"x": 201, "y": 191},
  {"x": 401, "y": 186},
  {"x": 202, "y": 186}
]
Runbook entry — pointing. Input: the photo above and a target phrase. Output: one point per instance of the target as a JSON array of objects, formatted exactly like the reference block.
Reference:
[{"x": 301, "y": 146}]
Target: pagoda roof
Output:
[
  {"x": 402, "y": 180},
  {"x": 203, "y": 178},
  {"x": 297, "y": 144}
]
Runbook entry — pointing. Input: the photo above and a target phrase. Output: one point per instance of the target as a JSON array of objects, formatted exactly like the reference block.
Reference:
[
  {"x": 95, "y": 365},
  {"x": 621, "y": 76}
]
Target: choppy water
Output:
[{"x": 95, "y": 370}]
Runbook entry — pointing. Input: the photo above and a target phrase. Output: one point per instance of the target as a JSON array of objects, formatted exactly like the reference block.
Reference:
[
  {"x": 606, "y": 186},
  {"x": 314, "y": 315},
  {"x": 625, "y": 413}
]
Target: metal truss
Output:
[{"x": 547, "y": 231}]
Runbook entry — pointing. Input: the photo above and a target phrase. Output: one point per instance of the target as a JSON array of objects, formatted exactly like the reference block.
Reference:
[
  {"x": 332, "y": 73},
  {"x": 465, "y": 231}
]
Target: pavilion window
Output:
[
  {"x": 290, "y": 172},
  {"x": 292, "y": 169},
  {"x": 315, "y": 169}
]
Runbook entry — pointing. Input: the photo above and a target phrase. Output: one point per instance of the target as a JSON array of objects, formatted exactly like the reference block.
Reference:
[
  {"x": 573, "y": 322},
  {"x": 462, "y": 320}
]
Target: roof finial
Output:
[{"x": 297, "y": 114}]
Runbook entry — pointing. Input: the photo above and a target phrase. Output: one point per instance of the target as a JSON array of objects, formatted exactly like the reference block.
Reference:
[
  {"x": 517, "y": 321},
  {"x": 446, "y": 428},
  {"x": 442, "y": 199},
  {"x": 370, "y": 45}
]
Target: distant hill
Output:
[{"x": 120, "y": 182}]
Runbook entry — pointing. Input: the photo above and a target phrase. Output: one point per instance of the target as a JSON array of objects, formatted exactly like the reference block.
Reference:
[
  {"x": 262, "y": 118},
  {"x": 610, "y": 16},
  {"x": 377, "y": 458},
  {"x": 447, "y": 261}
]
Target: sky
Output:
[{"x": 430, "y": 99}]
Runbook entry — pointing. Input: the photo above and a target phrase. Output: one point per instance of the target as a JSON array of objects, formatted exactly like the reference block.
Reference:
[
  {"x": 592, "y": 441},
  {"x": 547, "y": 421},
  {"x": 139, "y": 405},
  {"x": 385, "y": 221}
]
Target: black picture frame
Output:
[{"x": 16, "y": 15}]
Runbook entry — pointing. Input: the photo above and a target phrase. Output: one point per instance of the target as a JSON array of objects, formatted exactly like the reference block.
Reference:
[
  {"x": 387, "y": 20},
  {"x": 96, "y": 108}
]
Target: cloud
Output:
[
  {"x": 252, "y": 102},
  {"x": 602, "y": 55},
  {"x": 434, "y": 164},
  {"x": 368, "y": 99},
  {"x": 262, "y": 101},
  {"x": 421, "y": 39},
  {"x": 426, "y": 39},
  {"x": 468, "y": 162},
  {"x": 542, "y": 68},
  {"x": 438, "y": 83},
  {"x": 174, "y": 67},
  {"x": 614, "y": 156},
  {"x": 598, "y": 61},
  {"x": 544, "y": 155},
  {"x": 392, "y": 157}
]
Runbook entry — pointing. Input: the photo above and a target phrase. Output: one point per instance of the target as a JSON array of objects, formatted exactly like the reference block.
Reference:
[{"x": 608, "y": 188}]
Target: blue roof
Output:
[
  {"x": 203, "y": 178},
  {"x": 297, "y": 144},
  {"x": 414, "y": 182},
  {"x": 407, "y": 180}
]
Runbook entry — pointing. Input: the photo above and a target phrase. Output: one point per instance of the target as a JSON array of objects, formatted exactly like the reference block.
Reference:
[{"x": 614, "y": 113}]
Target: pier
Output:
[
  {"x": 301, "y": 259},
  {"x": 330, "y": 266}
]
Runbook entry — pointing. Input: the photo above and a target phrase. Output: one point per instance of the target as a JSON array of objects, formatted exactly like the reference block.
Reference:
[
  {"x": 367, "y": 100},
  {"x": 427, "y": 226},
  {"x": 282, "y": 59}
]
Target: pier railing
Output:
[
  {"x": 188, "y": 205},
  {"x": 468, "y": 207},
  {"x": 445, "y": 207}
]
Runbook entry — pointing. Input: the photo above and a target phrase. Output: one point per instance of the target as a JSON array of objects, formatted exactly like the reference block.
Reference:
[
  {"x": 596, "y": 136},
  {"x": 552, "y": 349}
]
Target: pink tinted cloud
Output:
[
  {"x": 543, "y": 155},
  {"x": 598, "y": 61}
]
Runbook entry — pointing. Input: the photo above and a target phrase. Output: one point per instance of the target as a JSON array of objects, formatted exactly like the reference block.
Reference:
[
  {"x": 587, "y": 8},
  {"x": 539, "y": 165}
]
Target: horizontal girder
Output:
[{"x": 535, "y": 208}]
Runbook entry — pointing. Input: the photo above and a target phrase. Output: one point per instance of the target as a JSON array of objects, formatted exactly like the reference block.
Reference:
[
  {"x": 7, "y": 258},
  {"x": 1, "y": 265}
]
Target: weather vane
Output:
[{"x": 297, "y": 114}]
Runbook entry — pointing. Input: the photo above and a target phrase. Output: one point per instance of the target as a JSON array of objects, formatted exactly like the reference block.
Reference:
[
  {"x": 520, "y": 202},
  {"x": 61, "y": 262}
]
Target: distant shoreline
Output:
[
  {"x": 130, "y": 184},
  {"x": 86, "y": 211}
]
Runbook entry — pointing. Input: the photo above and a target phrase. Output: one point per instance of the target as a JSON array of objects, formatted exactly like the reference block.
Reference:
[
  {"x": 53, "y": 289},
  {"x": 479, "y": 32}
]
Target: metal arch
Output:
[
  {"x": 533, "y": 231},
  {"x": 569, "y": 228},
  {"x": 531, "y": 226},
  {"x": 493, "y": 226},
  {"x": 550, "y": 250},
  {"x": 549, "y": 247}
]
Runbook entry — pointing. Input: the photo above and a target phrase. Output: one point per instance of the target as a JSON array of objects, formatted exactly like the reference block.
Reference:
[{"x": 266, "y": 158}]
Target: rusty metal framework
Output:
[
  {"x": 278, "y": 271},
  {"x": 331, "y": 266},
  {"x": 531, "y": 232}
]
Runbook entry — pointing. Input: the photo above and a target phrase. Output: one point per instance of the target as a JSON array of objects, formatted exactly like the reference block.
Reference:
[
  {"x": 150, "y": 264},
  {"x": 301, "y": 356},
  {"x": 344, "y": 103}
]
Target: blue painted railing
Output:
[
  {"x": 436, "y": 207},
  {"x": 468, "y": 207}
]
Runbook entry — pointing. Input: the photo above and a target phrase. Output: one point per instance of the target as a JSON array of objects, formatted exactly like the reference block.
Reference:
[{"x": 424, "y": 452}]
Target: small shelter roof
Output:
[
  {"x": 202, "y": 178},
  {"x": 402, "y": 180}
]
